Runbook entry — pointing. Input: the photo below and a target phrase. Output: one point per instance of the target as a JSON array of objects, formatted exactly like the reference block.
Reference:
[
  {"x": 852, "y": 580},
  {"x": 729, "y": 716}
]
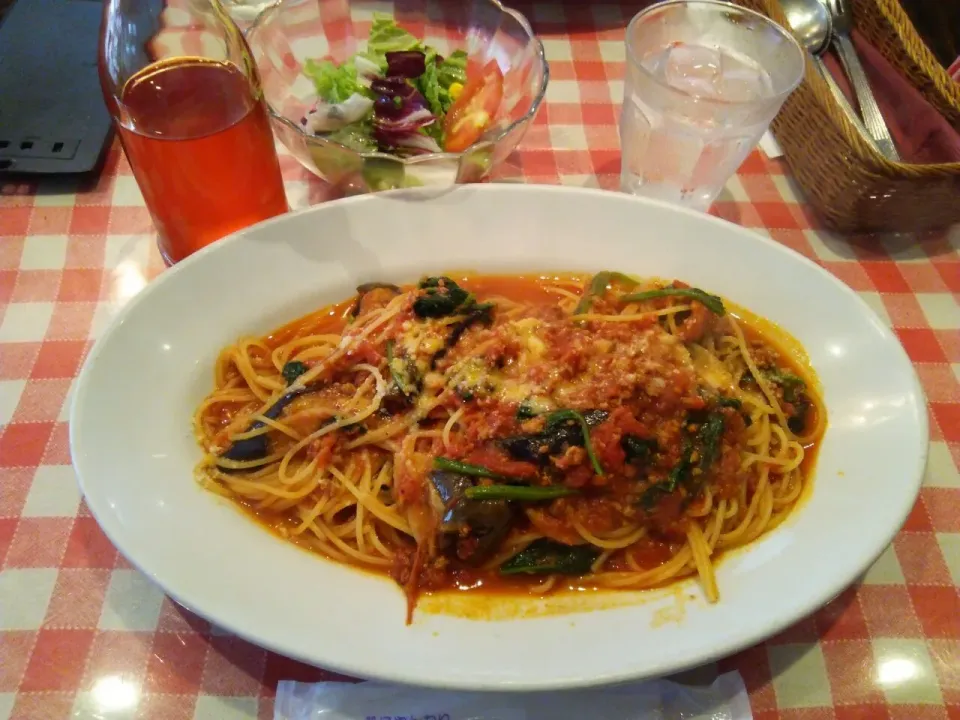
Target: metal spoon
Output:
[
  {"x": 813, "y": 26},
  {"x": 876, "y": 125}
]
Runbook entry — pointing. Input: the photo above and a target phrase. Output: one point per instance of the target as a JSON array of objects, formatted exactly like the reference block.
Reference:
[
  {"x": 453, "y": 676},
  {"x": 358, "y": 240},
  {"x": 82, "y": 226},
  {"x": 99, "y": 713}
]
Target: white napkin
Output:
[{"x": 725, "y": 699}]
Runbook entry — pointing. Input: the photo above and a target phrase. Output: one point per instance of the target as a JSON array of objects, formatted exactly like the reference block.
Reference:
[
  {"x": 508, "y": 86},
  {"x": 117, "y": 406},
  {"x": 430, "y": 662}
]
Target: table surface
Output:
[{"x": 84, "y": 635}]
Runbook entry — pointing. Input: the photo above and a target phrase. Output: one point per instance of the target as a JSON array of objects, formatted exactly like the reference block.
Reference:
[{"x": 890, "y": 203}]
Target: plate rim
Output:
[{"x": 743, "y": 640}]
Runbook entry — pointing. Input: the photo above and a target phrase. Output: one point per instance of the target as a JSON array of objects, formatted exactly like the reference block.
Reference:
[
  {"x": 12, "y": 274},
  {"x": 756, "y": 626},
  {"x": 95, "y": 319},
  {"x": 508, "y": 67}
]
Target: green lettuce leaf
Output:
[
  {"x": 429, "y": 86},
  {"x": 434, "y": 130},
  {"x": 334, "y": 83},
  {"x": 356, "y": 136},
  {"x": 453, "y": 69},
  {"x": 386, "y": 36}
]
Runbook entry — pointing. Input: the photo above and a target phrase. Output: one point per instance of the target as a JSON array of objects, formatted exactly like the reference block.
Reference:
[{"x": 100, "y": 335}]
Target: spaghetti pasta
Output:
[{"x": 516, "y": 433}]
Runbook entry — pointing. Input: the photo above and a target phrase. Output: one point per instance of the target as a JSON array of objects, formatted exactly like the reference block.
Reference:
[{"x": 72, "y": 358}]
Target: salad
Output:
[{"x": 402, "y": 97}]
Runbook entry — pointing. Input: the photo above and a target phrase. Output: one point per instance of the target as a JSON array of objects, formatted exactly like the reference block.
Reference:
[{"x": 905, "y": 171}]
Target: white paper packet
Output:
[
  {"x": 770, "y": 146},
  {"x": 725, "y": 699}
]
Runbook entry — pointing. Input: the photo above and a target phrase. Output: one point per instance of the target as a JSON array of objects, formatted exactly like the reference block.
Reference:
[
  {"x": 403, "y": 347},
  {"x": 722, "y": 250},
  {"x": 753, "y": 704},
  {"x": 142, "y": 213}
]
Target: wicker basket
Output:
[{"x": 852, "y": 186}]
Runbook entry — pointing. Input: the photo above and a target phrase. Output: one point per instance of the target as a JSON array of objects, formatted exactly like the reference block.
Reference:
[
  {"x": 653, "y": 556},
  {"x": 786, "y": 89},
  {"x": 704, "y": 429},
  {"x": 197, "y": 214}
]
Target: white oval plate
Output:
[{"x": 134, "y": 453}]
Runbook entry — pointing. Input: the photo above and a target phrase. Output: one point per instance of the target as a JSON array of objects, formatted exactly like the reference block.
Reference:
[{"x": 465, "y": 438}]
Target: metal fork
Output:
[{"x": 872, "y": 118}]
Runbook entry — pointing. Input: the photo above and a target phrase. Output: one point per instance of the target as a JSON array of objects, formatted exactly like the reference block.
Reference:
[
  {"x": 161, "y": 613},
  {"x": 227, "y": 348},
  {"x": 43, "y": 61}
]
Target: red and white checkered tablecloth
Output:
[{"x": 84, "y": 635}]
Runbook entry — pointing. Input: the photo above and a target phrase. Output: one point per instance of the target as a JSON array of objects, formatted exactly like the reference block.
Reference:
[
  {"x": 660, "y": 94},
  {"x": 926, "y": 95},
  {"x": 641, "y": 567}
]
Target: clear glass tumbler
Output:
[
  {"x": 186, "y": 97},
  {"x": 703, "y": 81}
]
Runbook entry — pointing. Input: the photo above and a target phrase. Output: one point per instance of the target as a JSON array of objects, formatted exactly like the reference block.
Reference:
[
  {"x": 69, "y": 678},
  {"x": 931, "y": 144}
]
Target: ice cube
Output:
[
  {"x": 713, "y": 73},
  {"x": 694, "y": 69},
  {"x": 653, "y": 61},
  {"x": 742, "y": 80}
]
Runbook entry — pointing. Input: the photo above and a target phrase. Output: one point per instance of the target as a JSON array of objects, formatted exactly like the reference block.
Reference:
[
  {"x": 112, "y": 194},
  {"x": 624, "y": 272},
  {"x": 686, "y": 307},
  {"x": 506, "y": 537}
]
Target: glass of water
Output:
[{"x": 704, "y": 79}]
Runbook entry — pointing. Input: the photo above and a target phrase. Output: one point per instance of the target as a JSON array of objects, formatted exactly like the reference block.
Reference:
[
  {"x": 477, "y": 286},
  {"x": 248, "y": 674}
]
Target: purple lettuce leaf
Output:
[
  {"x": 406, "y": 63},
  {"x": 399, "y": 113}
]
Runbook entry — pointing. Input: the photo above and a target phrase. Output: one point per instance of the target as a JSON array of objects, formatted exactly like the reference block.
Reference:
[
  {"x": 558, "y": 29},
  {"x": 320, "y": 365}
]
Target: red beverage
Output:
[{"x": 200, "y": 145}]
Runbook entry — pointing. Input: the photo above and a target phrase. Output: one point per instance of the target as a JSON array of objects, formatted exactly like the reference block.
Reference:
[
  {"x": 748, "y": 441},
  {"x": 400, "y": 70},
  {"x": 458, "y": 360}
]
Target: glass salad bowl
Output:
[{"x": 360, "y": 135}]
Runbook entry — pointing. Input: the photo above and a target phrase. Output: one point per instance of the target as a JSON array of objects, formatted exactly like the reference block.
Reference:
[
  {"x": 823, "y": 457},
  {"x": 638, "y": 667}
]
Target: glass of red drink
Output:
[{"x": 185, "y": 94}]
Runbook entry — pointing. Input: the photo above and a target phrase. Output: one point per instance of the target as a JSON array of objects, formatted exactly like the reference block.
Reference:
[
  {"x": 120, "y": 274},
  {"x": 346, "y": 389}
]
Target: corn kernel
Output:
[{"x": 455, "y": 90}]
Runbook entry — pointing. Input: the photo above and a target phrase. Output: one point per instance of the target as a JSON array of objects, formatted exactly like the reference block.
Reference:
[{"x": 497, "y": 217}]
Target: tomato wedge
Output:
[{"x": 474, "y": 110}]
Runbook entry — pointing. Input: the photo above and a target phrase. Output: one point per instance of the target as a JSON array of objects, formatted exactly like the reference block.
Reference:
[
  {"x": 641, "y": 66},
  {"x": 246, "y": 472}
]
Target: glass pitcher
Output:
[{"x": 185, "y": 94}]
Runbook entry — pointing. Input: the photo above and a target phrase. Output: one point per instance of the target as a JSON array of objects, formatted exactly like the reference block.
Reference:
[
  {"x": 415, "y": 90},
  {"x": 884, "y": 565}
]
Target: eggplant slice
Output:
[{"x": 476, "y": 526}]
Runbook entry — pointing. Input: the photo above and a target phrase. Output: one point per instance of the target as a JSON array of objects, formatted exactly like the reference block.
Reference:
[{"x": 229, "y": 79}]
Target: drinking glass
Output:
[
  {"x": 186, "y": 98},
  {"x": 703, "y": 81}
]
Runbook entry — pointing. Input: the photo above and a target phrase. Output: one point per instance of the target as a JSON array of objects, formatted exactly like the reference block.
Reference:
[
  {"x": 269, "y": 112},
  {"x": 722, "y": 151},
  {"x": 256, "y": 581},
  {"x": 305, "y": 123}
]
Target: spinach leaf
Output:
[
  {"x": 557, "y": 417},
  {"x": 292, "y": 370},
  {"x": 545, "y": 556},
  {"x": 462, "y": 468},
  {"x": 535, "y": 406},
  {"x": 526, "y": 411},
  {"x": 705, "y": 446},
  {"x": 713, "y": 303},
  {"x": 442, "y": 297},
  {"x": 519, "y": 493},
  {"x": 562, "y": 418},
  {"x": 729, "y": 402},
  {"x": 792, "y": 385},
  {"x": 562, "y": 430},
  {"x": 598, "y": 284},
  {"x": 354, "y": 431},
  {"x": 708, "y": 441},
  {"x": 637, "y": 449},
  {"x": 795, "y": 393},
  {"x": 403, "y": 372},
  {"x": 476, "y": 313}
]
